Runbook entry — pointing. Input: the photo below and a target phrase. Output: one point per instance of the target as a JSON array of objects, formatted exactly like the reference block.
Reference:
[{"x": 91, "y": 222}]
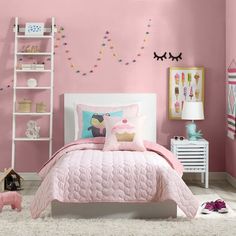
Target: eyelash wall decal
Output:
[
  {"x": 177, "y": 58},
  {"x": 160, "y": 57}
]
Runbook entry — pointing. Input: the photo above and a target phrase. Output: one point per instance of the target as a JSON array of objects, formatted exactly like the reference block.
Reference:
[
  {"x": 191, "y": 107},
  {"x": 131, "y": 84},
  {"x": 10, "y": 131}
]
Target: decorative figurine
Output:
[
  {"x": 30, "y": 49},
  {"x": 31, "y": 82},
  {"x": 32, "y": 130},
  {"x": 192, "y": 132}
]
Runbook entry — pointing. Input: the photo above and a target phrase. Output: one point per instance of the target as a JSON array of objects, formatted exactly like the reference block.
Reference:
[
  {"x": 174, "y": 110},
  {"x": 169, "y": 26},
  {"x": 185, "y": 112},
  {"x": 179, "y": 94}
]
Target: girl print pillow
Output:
[
  {"x": 93, "y": 123},
  {"x": 124, "y": 134},
  {"x": 90, "y": 119}
]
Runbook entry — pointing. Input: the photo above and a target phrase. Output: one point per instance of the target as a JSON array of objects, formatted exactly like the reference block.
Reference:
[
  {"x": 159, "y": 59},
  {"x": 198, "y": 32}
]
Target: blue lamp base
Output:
[{"x": 192, "y": 133}]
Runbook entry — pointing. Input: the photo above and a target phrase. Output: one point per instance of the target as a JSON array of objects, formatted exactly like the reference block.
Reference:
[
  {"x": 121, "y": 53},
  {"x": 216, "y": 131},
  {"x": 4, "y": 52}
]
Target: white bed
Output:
[{"x": 147, "y": 104}]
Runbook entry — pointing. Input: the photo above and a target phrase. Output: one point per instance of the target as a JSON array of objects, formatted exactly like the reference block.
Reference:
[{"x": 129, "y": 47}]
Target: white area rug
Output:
[{"x": 21, "y": 224}]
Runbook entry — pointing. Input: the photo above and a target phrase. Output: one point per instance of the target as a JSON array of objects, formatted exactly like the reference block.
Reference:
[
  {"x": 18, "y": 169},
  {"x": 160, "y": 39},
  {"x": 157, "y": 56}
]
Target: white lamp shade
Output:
[{"x": 192, "y": 111}]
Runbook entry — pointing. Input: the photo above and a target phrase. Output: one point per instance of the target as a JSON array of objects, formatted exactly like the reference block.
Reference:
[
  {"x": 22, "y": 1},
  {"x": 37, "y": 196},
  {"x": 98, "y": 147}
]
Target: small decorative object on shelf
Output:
[
  {"x": 30, "y": 49},
  {"x": 34, "y": 29},
  {"x": 41, "y": 107},
  {"x": 32, "y": 130},
  {"x": 19, "y": 66},
  {"x": 31, "y": 83},
  {"x": 24, "y": 105}
]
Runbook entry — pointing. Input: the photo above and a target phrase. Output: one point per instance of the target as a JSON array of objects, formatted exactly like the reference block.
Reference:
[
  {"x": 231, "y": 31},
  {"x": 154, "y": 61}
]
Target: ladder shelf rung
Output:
[
  {"x": 18, "y": 70},
  {"x": 32, "y": 113},
  {"x": 32, "y": 88},
  {"x": 32, "y": 139},
  {"x": 34, "y": 36},
  {"x": 34, "y": 53}
]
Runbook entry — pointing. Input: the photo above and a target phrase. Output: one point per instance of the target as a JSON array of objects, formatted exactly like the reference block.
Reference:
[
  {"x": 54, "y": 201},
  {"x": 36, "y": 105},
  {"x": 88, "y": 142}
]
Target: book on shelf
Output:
[{"x": 32, "y": 67}]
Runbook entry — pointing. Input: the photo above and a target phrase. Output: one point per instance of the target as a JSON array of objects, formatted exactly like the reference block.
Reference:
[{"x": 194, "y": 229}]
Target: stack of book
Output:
[{"x": 32, "y": 66}]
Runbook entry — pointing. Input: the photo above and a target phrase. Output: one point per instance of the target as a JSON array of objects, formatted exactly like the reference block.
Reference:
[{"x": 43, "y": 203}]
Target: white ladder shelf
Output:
[{"x": 19, "y": 35}]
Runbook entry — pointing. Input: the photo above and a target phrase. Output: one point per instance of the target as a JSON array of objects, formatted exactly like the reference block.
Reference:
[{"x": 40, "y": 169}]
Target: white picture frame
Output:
[{"x": 34, "y": 29}]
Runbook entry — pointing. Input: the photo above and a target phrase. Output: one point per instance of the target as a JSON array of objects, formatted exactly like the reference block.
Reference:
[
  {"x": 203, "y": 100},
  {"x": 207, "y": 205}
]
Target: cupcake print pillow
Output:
[{"x": 124, "y": 133}]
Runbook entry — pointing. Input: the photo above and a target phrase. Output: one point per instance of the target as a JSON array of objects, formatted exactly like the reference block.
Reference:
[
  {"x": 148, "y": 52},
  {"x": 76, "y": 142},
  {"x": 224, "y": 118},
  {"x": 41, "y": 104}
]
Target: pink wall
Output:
[
  {"x": 230, "y": 156},
  {"x": 195, "y": 28}
]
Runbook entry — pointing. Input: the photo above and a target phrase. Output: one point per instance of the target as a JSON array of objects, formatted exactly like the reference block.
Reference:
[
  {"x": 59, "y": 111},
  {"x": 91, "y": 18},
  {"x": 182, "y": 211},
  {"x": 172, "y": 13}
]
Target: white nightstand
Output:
[{"x": 193, "y": 155}]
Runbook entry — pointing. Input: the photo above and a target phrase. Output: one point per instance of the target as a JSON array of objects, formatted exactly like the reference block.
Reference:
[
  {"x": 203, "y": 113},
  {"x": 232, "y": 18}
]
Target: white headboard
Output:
[{"x": 147, "y": 104}]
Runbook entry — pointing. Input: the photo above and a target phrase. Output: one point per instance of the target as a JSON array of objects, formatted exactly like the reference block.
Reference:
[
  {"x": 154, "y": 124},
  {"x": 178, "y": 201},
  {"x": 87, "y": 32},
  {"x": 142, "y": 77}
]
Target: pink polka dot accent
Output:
[{"x": 124, "y": 121}]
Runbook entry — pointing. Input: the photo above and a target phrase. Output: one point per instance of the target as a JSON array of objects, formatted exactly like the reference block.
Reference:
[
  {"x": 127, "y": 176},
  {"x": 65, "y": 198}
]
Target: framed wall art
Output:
[
  {"x": 185, "y": 84},
  {"x": 34, "y": 29}
]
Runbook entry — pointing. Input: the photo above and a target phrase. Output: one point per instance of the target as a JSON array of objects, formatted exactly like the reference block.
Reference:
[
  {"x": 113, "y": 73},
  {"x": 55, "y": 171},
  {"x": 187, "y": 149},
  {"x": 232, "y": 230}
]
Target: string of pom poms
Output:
[
  {"x": 106, "y": 42},
  {"x": 5, "y": 87}
]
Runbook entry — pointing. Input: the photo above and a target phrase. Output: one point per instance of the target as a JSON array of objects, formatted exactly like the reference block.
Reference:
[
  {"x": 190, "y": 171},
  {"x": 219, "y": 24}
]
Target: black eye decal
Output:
[
  {"x": 160, "y": 57},
  {"x": 179, "y": 57}
]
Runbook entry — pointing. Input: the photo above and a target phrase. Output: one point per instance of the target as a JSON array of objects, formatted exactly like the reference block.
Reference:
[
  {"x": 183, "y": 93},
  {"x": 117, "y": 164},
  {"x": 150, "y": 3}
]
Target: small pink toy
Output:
[{"x": 10, "y": 198}]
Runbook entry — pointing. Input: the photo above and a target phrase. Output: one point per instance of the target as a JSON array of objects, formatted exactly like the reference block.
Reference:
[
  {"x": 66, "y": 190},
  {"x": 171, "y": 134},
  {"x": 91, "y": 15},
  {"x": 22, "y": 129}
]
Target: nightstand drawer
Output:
[
  {"x": 197, "y": 153},
  {"x": 194, "y": 169},
  {"x": 188, "y": 162},
  {"x": 191, "y": 161},
  {"x": 190, "y": 154},
  {"x": 190, "y": 148},
  {"x": 189, "y": 151}
]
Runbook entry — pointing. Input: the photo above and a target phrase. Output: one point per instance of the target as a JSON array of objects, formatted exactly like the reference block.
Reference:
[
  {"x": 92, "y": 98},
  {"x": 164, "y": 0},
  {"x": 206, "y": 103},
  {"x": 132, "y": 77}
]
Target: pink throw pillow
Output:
[
  {"x": 84, "y": 117},
  {"x": 124, "y": 133}
]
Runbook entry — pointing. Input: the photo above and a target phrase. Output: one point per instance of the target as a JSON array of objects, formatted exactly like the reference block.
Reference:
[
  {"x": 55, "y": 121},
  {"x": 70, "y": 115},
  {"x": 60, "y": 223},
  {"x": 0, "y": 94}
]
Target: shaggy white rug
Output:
[{"x": 21, "y": 224}]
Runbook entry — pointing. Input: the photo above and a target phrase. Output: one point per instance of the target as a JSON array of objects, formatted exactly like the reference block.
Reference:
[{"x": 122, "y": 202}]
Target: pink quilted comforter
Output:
[{"x": 82, "y": 172}]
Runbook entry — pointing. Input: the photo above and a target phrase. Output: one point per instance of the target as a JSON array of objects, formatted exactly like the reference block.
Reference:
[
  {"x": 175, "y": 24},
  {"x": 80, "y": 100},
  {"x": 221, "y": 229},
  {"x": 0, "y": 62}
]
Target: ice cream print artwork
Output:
[{"x": 185, "y": 84}]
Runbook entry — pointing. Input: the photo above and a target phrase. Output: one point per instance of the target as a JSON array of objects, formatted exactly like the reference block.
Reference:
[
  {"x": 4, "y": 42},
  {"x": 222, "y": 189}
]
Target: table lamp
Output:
[{"x": 193, "y": 111}]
